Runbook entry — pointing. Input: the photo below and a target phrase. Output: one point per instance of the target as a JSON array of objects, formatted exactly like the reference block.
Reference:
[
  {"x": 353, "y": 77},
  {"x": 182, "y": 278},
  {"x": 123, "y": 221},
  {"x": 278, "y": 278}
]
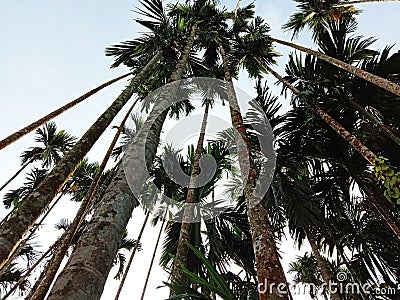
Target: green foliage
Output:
[
  {"x": 215, "y": 283},
  {"x": 389, "y": 177}
]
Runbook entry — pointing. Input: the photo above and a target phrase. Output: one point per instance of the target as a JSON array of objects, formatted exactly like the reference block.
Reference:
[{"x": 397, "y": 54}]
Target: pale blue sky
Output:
[{"x": 53, "y": 51}]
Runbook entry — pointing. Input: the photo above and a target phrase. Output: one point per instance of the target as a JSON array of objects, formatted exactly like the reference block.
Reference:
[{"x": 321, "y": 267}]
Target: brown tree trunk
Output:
[
  {"x": 350, "y": 138},
  {"x": 374, "y": 79},
  {"x": 87, "y": 269},
  {"x": 353, "y": 141},
  {"x": 192, "y": 197},
  {"x": 20, "y": 133},
  {"x": 12, "y": 231},
  {"x": 154, "y": 255},
  {"x": 28, "y": 272},
  {"x": 326, "y": 273},
  {"x": 128, "y": 266},
  {"x": 351, "y": 3},
  {"x": 382, "y": 127},
  {"x": 65, "y": 240},
  {"x": 270, "y": 273}
]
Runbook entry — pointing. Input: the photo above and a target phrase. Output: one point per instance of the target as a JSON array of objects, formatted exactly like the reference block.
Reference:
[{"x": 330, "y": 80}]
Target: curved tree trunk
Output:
[
  {"x": 326, "y": 273},
  {"x": 17, "y": 173},
  {"x": 154, "y": 255},
  {"x": 128, "y": 266},
  {"x": 192, "y": 197},
  {"x": 87, "y": 269},
  {"x": 268, "y": 265},
  {"x": 12, "y": 231},
  {"x": 354, "y": 142},
  {"x": 374, "y": 79},
  {"x": 65, "y": 240},
  {"x": 20, "y": 133}
]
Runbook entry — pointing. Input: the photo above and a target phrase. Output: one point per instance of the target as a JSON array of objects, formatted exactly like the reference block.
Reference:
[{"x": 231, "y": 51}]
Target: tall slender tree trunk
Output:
[
  {"x": 270, "y": 273},
  {"x": 191, "y": 197},
  {"x": 381, "y": 126},
  {"x": 326, "y": 273},
  {"x": 12, "y": 231},
  {"x": 128, "y": 266},
  {"x": 153, "y": 257},
  {"x": 65, "y": 241},
  {"x": 17, "y": 173},
  {"x": 351, "y": 3},
  {"x": 28, "y": 272},
  {"x": 24, "y": 131},
  {"x": 374, "y": 79},
  {"x": 17, "y": 251},
  {"x": 87, "y": 269},
  {"x": 352, "y": 140}
]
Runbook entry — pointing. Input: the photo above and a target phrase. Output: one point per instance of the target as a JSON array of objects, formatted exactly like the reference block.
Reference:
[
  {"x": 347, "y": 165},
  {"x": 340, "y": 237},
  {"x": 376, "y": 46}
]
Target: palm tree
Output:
[
  {"x": 315, "y": 14},
  {"x": 192, "y": 195},
  {"x": 118, "y": 194},
  {"x": 53, "y": 144},
  {"x": 263, "y": 240},
  {"x": 306, "y": 271},
  {"x": 374, "y": 79},
  {"x": 24, "y": 131},
  {"x": 335, "y": 41},
  {"x": 264, "y": 246},
  {"x": 88, "y": 196},
  {"x": 366, "y": 153},
  {"x": 39, "y": 199}
]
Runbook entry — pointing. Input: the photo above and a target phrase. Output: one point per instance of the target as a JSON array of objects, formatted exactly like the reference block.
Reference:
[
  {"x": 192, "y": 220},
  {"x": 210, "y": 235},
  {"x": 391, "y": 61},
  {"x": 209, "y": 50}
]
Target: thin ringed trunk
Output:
[
  {"x": 326, "y": 273},
  {"x": 28, "y": 272},
  {"x": 66, "y": 238},
  {"x": 191, "y": 197},
  {"x": 374, "y": 79},
  {"x": 382, "y": 127},
  {"x": 121, "y": 284},
  {"x": 152, "y": 258},
  {"x": 353, "y": 141},
  {"x": 92, "y": 258},
  {"x": 366, "y": 153},
  {"x": 17, "y": 173},
  {"x": 20, "y": 133},
  {"x": 12, "y": 231},
  {"x": 378, "y": 209},
  {"x": 32, "y": 232},
  {"x": 351, "y": 3},
  {"x": 270, "y": 273}
]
